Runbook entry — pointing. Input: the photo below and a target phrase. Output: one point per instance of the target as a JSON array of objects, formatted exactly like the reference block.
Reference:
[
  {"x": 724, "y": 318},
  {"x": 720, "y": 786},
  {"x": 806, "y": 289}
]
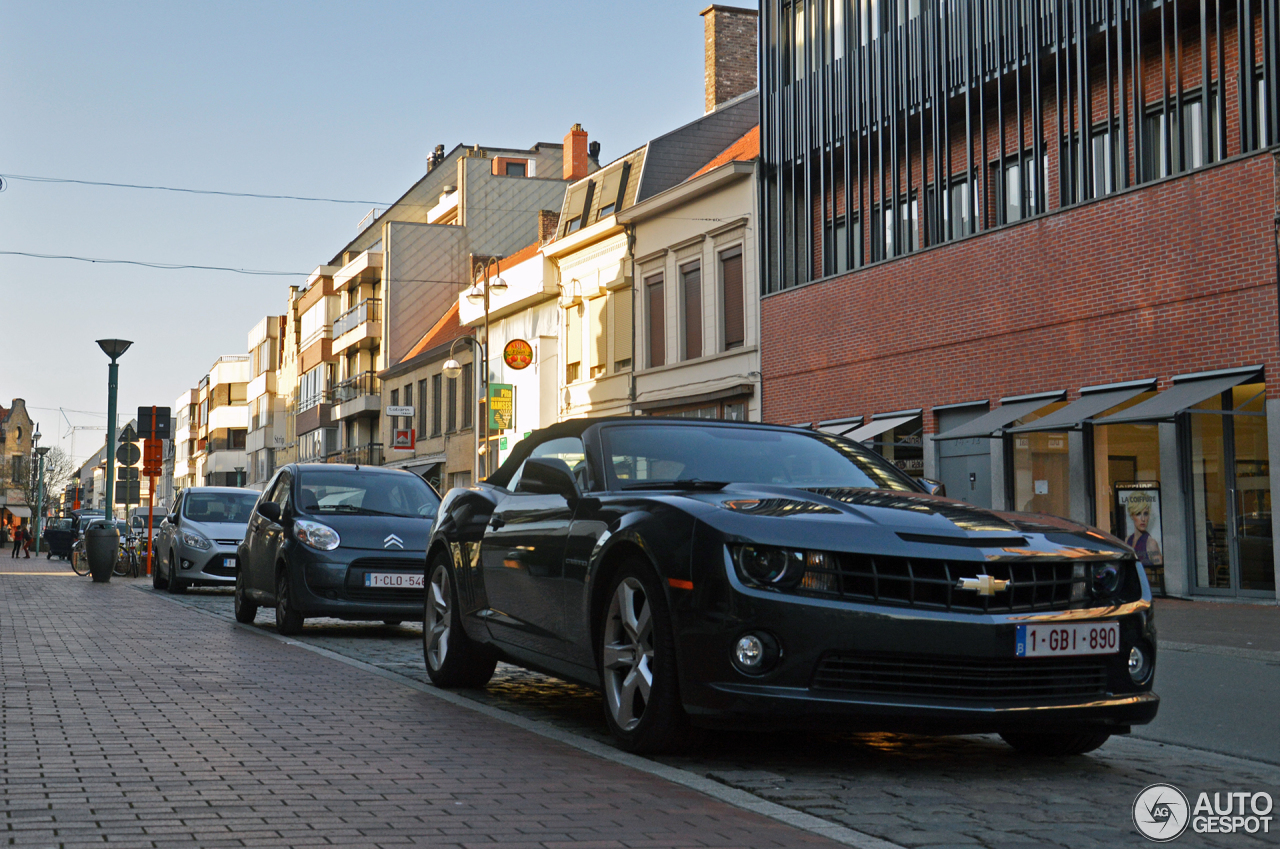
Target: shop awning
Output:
[
  {"x": 1083, "y": 409},
  {"x": 1177, "y": 398},
  {"x": 987, "y": 425},
  {"x": 19, "y": 512},
  {"x": 839, "y": 427},
  {"x": 875, "y": 427}
]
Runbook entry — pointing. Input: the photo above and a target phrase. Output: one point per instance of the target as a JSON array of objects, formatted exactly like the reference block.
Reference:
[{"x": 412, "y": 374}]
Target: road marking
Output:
[{"x": 57, "y": 574}]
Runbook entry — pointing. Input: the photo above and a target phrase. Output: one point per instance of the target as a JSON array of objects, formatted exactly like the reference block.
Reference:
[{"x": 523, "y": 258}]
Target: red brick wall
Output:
[{"x": 1169, "y": 278}]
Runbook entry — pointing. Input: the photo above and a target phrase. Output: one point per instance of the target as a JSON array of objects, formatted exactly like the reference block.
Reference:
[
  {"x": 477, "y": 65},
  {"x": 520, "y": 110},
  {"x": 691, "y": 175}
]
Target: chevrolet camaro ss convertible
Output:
[{"x": 727, "y": 574}]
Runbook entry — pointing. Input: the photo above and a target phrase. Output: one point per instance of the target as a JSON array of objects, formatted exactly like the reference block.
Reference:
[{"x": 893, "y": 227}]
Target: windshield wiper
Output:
[
  {"x": 351, "y": 508},
  {"x": 687, "y": 484}
]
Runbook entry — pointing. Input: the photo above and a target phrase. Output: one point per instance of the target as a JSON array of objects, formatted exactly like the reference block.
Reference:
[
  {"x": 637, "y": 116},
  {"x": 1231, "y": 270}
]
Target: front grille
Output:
[
  {"x": 935, "y": 584},
  {"x": 357, "y": 591},
  {"x": 228, "y": 542},
  {"x": 216, "y": 568},
  {"x": 950, "y": 678}
]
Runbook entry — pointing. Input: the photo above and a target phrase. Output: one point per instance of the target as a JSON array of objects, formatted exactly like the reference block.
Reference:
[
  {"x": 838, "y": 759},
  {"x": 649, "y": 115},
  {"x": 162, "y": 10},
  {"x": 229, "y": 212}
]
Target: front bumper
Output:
[
  {"x": 333, "y": 583},
  {"x": 216, "y": 566},
  {"x": 866, "y": 667}
]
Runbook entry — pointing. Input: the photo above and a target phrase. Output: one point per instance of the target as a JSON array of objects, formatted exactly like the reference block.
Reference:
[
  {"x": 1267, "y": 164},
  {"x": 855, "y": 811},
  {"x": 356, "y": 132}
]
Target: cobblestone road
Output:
[{"x": 913, "y": 791}]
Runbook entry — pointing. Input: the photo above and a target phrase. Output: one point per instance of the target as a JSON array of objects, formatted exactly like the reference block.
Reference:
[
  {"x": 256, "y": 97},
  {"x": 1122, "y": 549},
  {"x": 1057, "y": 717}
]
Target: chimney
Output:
[
  {"x": 548, "y": 223},
  {"x": 575, "y": 154},
  {"x": 729, "y": 50}
]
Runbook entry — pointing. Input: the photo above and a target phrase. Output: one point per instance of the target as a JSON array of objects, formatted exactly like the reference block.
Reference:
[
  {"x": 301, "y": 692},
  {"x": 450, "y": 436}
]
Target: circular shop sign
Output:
[
  {"x": 518, "y": 354},
  {"x": 1161, "y": 813}
]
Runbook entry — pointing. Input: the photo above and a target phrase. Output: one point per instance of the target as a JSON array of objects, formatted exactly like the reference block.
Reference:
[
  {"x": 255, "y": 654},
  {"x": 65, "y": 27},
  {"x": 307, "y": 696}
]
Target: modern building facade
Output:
[
  {"x": 266, "y": 434},
  {"x": 222, "y": 423},
  {"x": 1029, "y": 249}
]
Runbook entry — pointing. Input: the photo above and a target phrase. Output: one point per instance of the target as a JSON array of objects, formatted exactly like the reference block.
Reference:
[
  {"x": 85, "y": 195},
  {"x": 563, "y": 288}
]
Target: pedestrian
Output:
[
  {"x": 17, "y": 541},
  {"x": 27, "y": 538}
]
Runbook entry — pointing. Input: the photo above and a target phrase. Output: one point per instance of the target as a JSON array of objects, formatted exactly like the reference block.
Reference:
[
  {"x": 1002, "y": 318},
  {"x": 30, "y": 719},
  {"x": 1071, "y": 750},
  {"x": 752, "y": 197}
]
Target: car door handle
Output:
[{"x": 496, "y": 523}]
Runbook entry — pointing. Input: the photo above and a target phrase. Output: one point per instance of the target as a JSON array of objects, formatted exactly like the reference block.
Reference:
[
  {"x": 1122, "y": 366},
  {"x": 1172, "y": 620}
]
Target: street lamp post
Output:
[
  {"x": 113, "y": 348},
  {"x": 452, "y": 368},
  {"x": 39, "y": 452},
  {"x": 479, "y": 294}
]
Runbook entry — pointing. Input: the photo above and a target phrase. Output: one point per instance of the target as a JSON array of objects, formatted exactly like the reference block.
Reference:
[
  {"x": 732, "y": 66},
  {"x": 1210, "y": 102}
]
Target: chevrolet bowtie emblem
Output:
[
  {"x": 983, "y": 584},
  {"x": 393, "y": 540}
]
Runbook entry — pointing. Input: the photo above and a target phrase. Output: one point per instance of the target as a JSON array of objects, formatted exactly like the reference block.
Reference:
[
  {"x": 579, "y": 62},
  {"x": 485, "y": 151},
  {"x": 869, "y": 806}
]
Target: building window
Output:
[
  {"x": 422, "y": 407},
  {"x": 655, "y": 319},
  {"x": 395, "y": 402},
  {"x": 516, "y": 169},
  {"x": 887, "y": 242},
  {"x": 573, "y": 344},
  {"x": 622, "y": 325},
  {"x": 735, "y": 330},
  {"x": 408, "y": 402},
  {"x": 838, "y": 253},
  {"x": 1163, "y": 150},
  {"x": 468, "y": 401},
  {"x": 599, "y": 338},
  {"x": 691, "y": 301},
  {"x": 1017, "y": 187},
  {"x": 577, "y": 206},
  {"x": 612, "y": 186},
  {"x": 435, "y": 404},
  {"x": 451, "y": 404}
]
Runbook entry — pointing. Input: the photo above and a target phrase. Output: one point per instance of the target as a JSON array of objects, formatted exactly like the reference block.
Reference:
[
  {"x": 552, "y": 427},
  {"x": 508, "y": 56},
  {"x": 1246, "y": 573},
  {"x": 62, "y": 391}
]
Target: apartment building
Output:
[
  {"x": 222, "y": 423},
  {"x": 266, "y": 432},
  {"x": 185, "y": 416},
  {"x": 1029, "y": 250}
]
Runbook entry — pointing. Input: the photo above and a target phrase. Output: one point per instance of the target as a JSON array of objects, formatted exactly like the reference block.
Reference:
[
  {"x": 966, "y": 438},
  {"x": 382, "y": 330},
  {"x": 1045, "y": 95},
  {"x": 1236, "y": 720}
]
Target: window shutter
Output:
[
  {"x": 657, "y": 321},
  {"x": 691, "y": 280},
  {"x": 622, "y": 323},
  {"x": 435, "y": 404},
  {"x": 599, "y": 339},
  {"x": 734, "y": 311},
  {"x": 422, "y": 408},
  {"x": 573, "y": 332}
]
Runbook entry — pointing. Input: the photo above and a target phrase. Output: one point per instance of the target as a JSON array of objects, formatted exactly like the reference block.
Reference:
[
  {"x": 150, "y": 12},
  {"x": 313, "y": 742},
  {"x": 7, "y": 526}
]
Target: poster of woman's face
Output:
[{"x": 1140, "y": 508}]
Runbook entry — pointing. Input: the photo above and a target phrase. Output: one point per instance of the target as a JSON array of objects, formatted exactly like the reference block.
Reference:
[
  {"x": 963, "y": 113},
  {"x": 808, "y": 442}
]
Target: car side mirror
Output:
[
  {"x": 269, "y": 510},
  {"x": 548, "y": 476},
  {"x": 933, "y": 487}
]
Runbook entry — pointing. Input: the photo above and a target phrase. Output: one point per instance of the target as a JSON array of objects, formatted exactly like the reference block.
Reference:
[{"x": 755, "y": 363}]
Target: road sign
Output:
[
  {"x": 126, "y": 473},
  {"x": 128, "y": 434},
  {"x": 399, "y": 411},
  {"x": 128, "y": 492},
  {"x": 152, "y": 457},
  {"x": 128, "y": 454},
  {"x": 161, "y": 429}
]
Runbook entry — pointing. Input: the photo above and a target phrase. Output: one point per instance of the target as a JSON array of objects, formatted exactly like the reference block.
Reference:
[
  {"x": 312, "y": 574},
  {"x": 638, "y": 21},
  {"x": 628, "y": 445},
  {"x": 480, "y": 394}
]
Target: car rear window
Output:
[
  {"x": 330, "y": 491},
  {"x": 655, "y": 453},
  {"x": 229, "y": 507}
]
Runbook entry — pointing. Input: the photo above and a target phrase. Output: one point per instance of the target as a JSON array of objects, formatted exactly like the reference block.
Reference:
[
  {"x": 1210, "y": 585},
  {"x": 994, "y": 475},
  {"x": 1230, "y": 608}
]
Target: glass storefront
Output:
[
  {"x": 1041, "y": 470},
  {"x": 903, "y": 446},
  {"x": 1230, "y": 492}
]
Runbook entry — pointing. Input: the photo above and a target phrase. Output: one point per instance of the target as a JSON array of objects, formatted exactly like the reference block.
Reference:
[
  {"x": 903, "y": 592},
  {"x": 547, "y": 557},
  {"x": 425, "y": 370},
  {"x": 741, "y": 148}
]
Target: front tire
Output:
[
  {"x": 637, "y": 658},
  {"x": 452, "y": 658},
  {"x": 246, "y": 611},
  {"x": 175, "y": 586},
  {"x": 157, "y": 580},
  {"x": 1056, "y": 745},
  {"x": 288, "y": 619}
]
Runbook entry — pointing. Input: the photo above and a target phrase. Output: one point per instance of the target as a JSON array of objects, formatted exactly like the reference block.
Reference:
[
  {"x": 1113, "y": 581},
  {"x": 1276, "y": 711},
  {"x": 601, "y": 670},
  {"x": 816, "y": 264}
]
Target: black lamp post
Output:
[{"x": 113, "y": 348}]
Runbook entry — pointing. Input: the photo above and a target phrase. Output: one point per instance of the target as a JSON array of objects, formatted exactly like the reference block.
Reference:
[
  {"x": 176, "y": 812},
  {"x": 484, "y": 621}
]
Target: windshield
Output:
[
  {"x": 329, "y": 491},
  {"x": 229, "y": 507},
  {"x": 647, "y": 456}
]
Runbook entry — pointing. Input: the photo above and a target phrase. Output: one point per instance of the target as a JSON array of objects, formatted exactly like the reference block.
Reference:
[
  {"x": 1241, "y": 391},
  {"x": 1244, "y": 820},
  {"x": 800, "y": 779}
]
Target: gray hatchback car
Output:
[{"x": 198, "y": 539}]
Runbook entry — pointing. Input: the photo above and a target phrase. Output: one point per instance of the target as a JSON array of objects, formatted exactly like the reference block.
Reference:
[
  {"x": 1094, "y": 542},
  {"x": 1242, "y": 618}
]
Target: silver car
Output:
[{"x": 198, "y": 539}]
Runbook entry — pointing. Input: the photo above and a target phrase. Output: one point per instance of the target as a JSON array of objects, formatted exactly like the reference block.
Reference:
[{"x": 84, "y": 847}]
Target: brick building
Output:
[{"x": 1041, "y": 239}]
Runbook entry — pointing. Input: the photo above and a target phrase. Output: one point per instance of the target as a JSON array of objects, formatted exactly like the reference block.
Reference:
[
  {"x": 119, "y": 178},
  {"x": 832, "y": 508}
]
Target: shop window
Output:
[
  {"x": 1041, "y": 470},
  {"x": 903, "y": 446}
]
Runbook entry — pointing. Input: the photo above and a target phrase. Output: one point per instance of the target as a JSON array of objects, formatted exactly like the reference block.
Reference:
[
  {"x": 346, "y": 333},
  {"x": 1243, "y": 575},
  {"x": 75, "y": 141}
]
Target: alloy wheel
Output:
[
  {"x": 436, "y": 632},
  {"x": 628, "y": 654}
]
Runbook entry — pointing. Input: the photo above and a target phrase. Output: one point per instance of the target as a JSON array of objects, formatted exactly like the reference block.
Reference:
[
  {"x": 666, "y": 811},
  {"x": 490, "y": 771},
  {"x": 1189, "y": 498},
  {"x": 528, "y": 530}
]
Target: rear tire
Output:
[
  {"x": 452, "y": 658},
  {"x": 1062, "y": 744},
  {"x": 246, "y": 611},
  {"x": 637, "y": 663},
  {"x": 288, "y": 619}
]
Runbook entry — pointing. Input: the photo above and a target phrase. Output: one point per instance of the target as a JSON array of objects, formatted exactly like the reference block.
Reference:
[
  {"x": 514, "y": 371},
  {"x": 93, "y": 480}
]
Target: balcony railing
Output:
[
  {"x": 365, "y": 383},
  {"x": 369, "y": 309},
  {"x": 315, "y": 336},
  {"x": 360, "y": 455}
]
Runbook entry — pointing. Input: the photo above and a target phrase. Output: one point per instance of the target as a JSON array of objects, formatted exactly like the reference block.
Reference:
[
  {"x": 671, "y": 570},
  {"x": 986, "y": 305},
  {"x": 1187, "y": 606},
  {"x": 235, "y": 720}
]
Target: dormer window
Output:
[
  {"x": 578, "y": 206},
  {"x": 612, "y": 186},
  {"x": 516, "y": 169}
]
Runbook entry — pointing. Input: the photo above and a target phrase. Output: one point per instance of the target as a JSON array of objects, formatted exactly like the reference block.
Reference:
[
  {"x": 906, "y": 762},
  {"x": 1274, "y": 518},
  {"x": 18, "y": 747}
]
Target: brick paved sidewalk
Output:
[{"x": 129, "y": 721}]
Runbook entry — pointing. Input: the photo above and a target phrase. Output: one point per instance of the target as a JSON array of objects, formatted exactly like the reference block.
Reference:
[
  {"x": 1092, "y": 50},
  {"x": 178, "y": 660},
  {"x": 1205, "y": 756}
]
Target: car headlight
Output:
[
  {"x": 766, "y": 566},
  {"x": 1105, "y": 579},
  {"x": 315, "y": 535},
  {"x": 194, "y": 540}
]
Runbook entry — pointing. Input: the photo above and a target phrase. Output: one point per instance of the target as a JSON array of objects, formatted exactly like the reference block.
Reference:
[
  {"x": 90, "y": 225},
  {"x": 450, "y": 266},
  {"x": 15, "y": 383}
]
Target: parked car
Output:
[
  {"x": 717, "y": 573},
  {"x": 197, "y": 542},
  {"x": 341, "y": 541},
  {"x": 58, "y": 538}
]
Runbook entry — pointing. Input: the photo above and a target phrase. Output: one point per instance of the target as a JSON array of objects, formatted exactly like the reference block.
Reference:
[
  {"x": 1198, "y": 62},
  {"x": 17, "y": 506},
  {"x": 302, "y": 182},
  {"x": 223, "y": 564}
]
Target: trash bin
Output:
[{"x": 101, "y": 546}]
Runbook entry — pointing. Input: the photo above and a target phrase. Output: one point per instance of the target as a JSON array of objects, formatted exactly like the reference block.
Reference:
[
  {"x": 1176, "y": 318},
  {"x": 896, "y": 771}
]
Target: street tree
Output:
[{"x": 59, "y": 469}]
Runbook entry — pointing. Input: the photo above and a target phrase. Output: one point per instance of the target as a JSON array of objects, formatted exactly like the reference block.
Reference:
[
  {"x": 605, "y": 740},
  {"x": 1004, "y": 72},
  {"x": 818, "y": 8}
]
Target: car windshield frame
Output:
[
  {"x": 340, "y": 500},
  {"x": 249, "y": 496},
  {"x": 876, "y": 472}
]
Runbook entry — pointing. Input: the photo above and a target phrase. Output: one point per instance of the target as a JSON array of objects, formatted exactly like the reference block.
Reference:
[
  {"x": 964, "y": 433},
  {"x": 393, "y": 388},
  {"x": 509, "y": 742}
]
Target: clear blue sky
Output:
[{"x": 340, "y": 100}]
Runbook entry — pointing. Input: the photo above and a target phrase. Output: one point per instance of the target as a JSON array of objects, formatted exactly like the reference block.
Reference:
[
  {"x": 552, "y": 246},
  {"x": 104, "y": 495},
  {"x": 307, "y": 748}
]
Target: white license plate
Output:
[
  {"x": 393, "y": 580},
  {"x": 228, "y": 563},
  {"x": 1060, "y": 640}
]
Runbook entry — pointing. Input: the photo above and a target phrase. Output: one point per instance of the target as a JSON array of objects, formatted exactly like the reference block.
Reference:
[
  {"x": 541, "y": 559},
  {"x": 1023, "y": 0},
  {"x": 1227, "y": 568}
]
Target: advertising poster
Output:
[
  {"x": 1137, "y": 517},
  {"x": 502, "y": 406}
]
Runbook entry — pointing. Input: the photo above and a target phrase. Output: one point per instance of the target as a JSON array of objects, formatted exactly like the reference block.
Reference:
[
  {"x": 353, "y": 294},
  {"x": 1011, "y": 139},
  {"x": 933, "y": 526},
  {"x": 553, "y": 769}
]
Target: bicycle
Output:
[
  {"x": 127, "y": 564},
  {"x": 79, "y": 560}
]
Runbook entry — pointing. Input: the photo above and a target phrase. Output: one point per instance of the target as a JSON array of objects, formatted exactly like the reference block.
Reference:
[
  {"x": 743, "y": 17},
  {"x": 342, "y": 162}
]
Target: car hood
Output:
[
  {"x": 895, "y": 522},
  {"x": 378, "y": 533},
  {"x": 214, "y": 530}
]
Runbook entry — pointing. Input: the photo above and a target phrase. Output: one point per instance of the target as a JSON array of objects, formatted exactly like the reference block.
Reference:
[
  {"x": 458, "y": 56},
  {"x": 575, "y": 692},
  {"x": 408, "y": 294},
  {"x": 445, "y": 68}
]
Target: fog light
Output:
[
  {"x": 755, "y": 653},
  {"x": 1139, "y": 665},
  {"x": 186, "y": 564}
]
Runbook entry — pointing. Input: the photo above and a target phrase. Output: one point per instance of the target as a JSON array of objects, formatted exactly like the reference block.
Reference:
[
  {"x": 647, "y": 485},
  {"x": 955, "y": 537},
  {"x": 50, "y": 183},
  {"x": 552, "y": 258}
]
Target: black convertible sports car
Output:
[{"x": 717, "y": 573}]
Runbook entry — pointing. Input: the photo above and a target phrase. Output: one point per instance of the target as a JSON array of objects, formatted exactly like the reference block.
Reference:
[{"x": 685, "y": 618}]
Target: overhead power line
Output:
[
  {"x": 168, "y": 266},
  {"x": 31, "y": 179}
]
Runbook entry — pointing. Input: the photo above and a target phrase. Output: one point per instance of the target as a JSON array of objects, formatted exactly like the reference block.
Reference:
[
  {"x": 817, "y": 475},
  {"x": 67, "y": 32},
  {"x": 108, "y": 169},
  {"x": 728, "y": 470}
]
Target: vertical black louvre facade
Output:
[{"x": 893, "y": 125}]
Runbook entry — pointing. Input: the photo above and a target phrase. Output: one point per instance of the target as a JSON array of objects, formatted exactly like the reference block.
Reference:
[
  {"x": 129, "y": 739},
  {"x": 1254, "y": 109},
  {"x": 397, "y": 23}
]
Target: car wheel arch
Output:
[{"x": 608, "y": 562}]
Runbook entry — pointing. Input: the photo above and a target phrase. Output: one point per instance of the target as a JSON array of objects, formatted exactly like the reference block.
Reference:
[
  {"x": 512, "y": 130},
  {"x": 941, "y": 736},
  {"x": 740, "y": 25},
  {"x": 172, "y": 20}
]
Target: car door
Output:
[
  {"x": 251, "y": 548},
  {"x": 271, "y": 535},
  {"x": 522, "y": 559},
  {"x": 169, "y": 529}
]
